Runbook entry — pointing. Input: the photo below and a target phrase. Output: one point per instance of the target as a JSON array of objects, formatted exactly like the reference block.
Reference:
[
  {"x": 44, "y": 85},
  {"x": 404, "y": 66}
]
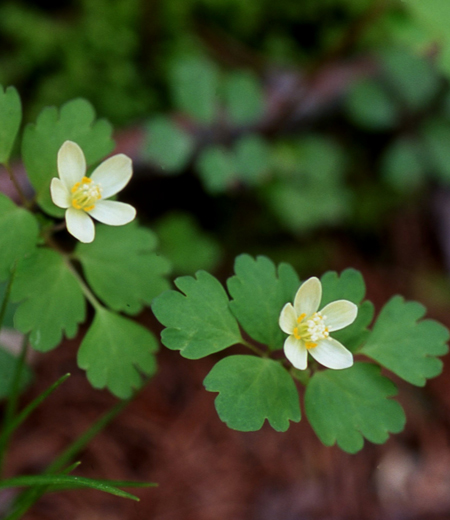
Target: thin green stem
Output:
[
  {"x": 26, "y": 203},
  {"x": 254, "y": 348},
  {"x": 67, "y": 260},
  {"x": 7, "y": 295},
  {"x": 30, "y": 496},
  {"x": 11, "y": 404}
]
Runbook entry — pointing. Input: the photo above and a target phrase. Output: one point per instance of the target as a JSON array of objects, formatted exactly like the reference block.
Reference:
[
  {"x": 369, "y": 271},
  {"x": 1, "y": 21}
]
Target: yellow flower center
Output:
[
  {"x": 311, "y": 330},
  {"x": 85, "y": 194}
]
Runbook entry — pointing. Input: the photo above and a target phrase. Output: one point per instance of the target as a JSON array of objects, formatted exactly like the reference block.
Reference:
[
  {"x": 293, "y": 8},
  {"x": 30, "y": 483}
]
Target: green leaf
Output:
[
  {"x": 168, "y": 145},
  {"x": 413, "y": 77},
  {"x": 194, "y": 84},
  {"x": 259, "y": 291},
  {"x": 122, "y": 267},
  {"x": 349, "y": 286},
  {"x": 186, "y": 245},
  {"x": 51, "y": 299},
  {"x": 199, "y": 323},
  {"x": 300, "y": 209},
  {"x": 401, "y": 165},
  {"x": 7, "y": 368},
  {"x": 41, "y": 142},
  {"x": 436, "y": 134},
  {"x": 344, "y": 406},
  {"x": 61, "y": 482},
  {"x": 405, "y": 345},
  {"x": 115, "y": 351},
  {"x": 18, "y": 234},
  {"x": 369, "y": 106},
  {"x": 217, "y": 168},
  {"x": 252, "y": 389},
  {"x": 10, "y": 117},
  {"x": 252, "y": 158},
  {"x": 244, "y": 98}
]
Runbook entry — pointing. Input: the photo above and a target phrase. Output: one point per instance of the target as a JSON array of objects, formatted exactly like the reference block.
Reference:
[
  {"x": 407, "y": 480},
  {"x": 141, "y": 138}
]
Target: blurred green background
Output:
[{"x": 283, "y": 128}]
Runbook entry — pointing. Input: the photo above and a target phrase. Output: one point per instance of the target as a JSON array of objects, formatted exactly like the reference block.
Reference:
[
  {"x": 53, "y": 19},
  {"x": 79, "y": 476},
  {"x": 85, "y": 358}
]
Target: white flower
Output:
[
  {"x": 309, "y": 329},
  {"x": 83, "y": 197}
]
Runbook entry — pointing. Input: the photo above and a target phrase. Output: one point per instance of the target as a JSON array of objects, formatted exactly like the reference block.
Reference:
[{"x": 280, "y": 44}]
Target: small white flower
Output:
[
  {"x": 309, "y": 329},
  {"x": 83, "y": 197}
]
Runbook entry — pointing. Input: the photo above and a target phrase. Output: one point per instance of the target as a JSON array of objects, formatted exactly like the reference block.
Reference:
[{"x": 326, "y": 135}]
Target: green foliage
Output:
[
  {"x": 349, "y": 286},
  {"x": 62, "y": 482},
  {"x": 252, "y": 159},
  {"x": 370, "y": 106},
  {"x": 115, "y": 351},
  {"x": 42, "y": 140},
  {"x": 199, "y": 323},
  {"x": 18, "y": 234},
  {"x": 51, "y": 301},
  {"x": 251, "y": 390},
  {"x": 344, "y": 406},
  {"x": 122, "y": 267},
  {"x": 194, "y": 84},
  {"x": 412, "y": 77},
  {"x": 167, "y": 145},
  {"x": 217, "y": 168},
  {"x": 243, "y": 98},
  {"x": 186, "y": 246},
  {"x": 8, "y": 364},
  {"x": 436, "y": 135},
  {"x": 259, "y": 291},
  {"x": 10, "y": 117},
  {"x": 309, "y": 190},
  {"x": 406, "y": 346},
  {"x": 401, "y": 165}
]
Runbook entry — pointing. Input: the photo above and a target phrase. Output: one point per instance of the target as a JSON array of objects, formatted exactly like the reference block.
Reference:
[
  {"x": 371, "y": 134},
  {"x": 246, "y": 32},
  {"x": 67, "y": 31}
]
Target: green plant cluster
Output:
[
  {"x": 342, "y": 406},
  {"x": 118, "y": 274}
]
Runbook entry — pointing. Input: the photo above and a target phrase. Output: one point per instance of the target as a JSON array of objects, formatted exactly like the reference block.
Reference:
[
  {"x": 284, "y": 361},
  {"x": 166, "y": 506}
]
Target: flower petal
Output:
[
  {"x": 71, "y": 163},
  {"x": 60, "y": 194},
  {"x": 80, "y": 225},
  {"x": 113, "y": 174},
  {"x": 295, "y": 351},
  {"x": 288, "y": 319},
  {"x": 339, "y": 314},
  {"x": 113, "y": 213},
  {"x": 332, "y": 354},
  {"x": 307, "y": 299}
]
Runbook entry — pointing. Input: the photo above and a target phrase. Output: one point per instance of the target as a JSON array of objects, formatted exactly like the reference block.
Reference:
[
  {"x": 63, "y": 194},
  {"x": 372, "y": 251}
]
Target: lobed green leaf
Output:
[
  {"x": 406, "y": 346},
  {"x": 167, "y": 144},
  {"x": 349, "y": 286},
  {"x": 18, "y": 234},
  {"x": 115, "y": 351},
  {"x": 10, "y": 117},
  {"x": 194, "y": 84},
  {"x": 41, "y": 141},
  {"x": 251, "y": 390},
  {"x": 52, "y": 302},
  {"x": 259, "y": 291},
  {"x": 244, "y": 98},
  {"x": 200, "y": 322},
  {"x": 344, "y": 406},
  {"x": 122, "y": 267}
]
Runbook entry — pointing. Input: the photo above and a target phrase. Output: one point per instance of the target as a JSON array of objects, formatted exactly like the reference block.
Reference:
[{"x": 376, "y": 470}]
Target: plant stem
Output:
[
  {"x": 28, "y": 497},
  {"x": 11, "y": 404},
  {"x": 7, "y": 295},
  {"x": 254, "y": 348}
]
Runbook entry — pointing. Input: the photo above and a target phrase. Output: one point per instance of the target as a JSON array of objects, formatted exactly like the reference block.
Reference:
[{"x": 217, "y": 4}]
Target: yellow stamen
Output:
[
  {"x": 85, "y": 194},
  {"x": 301, "y": 317},
  {"x": 310, "y": 345}
]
